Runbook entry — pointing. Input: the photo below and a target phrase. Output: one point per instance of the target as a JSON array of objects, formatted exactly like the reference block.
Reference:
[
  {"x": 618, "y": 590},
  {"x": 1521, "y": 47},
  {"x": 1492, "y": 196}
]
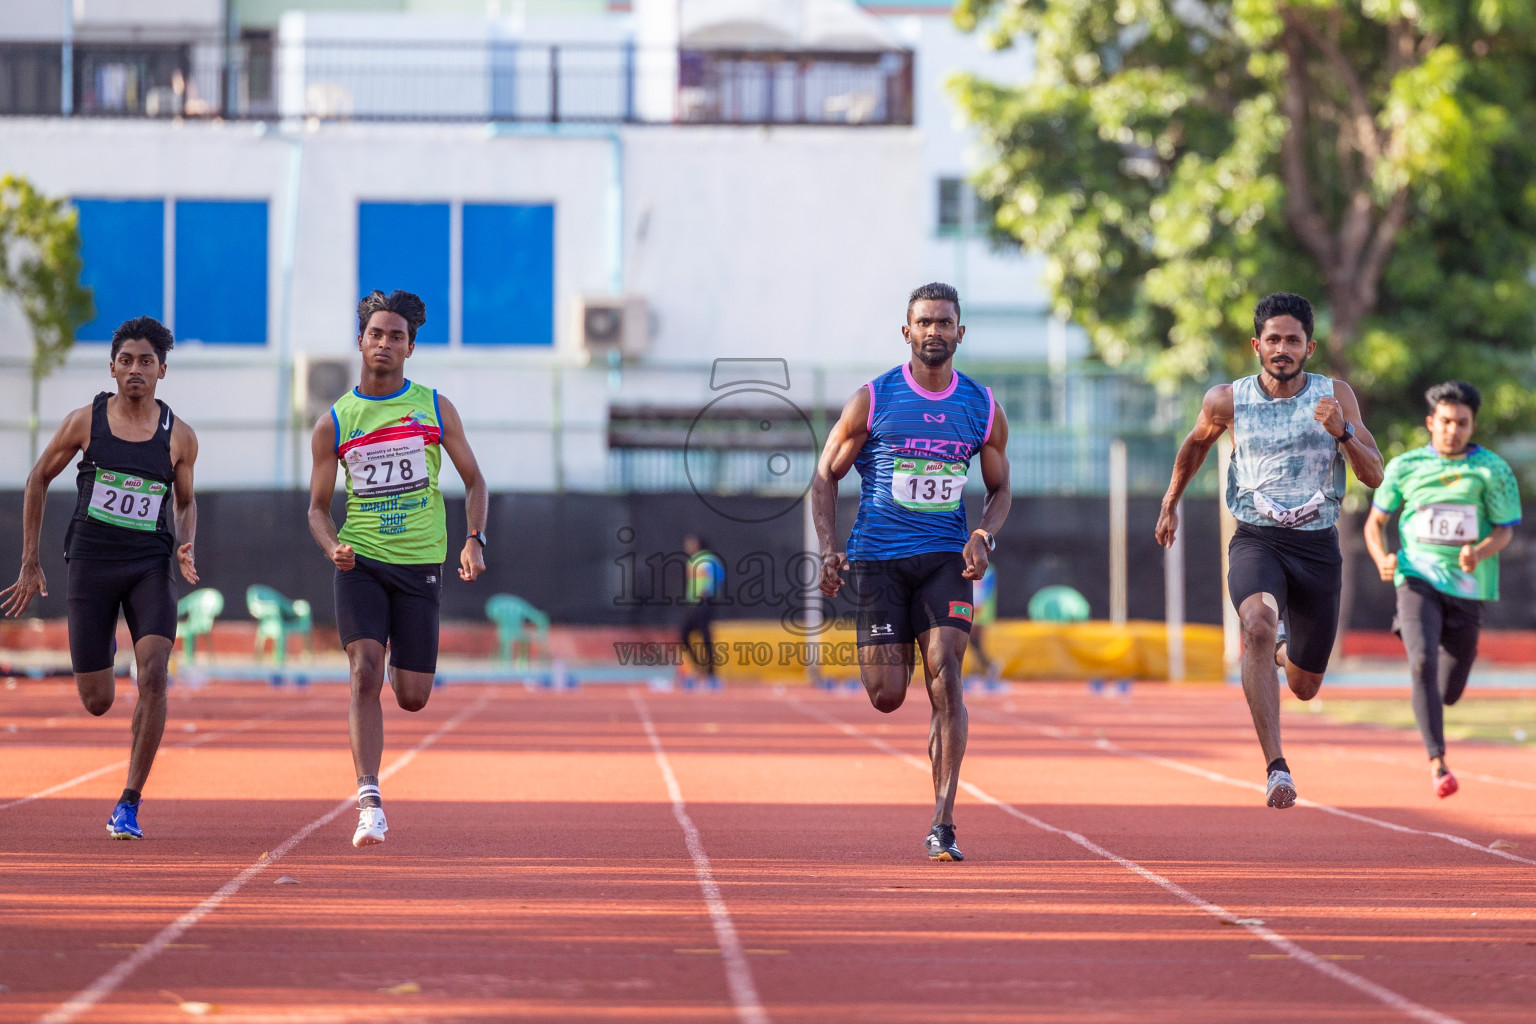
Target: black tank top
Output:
[{"x": 124, "y": 508}]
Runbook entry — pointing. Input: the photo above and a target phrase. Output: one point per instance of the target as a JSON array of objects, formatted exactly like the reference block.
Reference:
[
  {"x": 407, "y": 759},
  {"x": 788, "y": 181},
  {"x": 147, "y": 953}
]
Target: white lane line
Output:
[
  {"x": 104, "y": 986},
  {"x": 1364, "y": 986},
  {"x": 1110, "y": 746},
  {"x": 738, "y": 975},
  {"x": 196, "y": 741},
  {"x": 1399, "y": 762}
]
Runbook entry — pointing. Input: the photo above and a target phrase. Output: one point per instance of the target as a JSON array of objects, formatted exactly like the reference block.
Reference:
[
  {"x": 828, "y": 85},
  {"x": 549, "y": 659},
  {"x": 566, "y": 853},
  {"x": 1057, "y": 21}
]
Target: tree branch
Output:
[
  {"x": 1301, "y": 211},
  {"x": 1359, "y": 100}
]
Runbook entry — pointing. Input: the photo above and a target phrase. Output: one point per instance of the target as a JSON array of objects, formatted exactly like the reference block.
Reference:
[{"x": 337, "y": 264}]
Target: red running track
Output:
[{"x": 755, "y": 856}]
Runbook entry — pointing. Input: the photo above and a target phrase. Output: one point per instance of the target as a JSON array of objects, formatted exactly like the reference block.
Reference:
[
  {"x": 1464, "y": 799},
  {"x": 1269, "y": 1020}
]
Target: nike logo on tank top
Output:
[
  {"x": 912, "y": 469},
  {"x": 1286, "y": 470}
]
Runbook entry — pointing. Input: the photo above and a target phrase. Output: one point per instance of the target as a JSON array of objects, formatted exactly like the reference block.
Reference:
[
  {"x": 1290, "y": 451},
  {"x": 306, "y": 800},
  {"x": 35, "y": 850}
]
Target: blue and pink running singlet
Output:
[{"x": 912, "y": 469}]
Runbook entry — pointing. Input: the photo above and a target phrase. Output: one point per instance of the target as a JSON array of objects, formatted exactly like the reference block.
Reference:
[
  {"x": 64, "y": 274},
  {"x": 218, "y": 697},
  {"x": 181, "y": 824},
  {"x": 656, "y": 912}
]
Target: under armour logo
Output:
[
  {"x": 933, "y": 417},
  {"x": 431, "y": 579},
  {"x": 882, "y": 630}
]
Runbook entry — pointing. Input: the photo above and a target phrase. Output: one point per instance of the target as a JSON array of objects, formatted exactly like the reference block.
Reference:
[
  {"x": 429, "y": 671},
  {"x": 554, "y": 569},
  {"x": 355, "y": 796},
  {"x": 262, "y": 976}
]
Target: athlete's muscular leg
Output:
[
  {"x": 153, "y": 654},
  {"x": 1303, "y": 684},
  {"x": 97, "y": 690},
  {"x": 365, "y": 718},
  {"x": 1258, "y": 613},
  {"x": 949, "y": 723},
  {"x": 412, "y": 689},
  {"x": 886, "y": 671}
]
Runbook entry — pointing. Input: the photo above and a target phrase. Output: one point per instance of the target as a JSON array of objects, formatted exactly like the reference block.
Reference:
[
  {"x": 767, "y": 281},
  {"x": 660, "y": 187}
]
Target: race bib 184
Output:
[
  {"x": 1447, "y": 524},
  {"x": 386, "y": 468},
  {"x": 927, "y": 485},
  {"x": 132, "y": 502}
]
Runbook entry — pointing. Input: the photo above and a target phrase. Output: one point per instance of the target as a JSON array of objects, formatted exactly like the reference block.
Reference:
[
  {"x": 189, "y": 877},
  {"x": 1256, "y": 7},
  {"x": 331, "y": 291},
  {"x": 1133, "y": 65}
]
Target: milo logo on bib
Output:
[{"x": 929, "y": 485}]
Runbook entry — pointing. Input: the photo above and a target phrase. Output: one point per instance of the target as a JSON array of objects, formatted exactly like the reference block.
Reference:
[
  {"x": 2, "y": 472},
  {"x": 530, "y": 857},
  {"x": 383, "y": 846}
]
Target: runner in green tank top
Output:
[{"x": 390, "y": 434}]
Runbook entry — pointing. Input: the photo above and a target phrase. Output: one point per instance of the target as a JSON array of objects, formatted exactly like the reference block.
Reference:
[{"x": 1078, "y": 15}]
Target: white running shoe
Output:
[
  {"x": 370, "y": 827},
  {"x": 1281, "y": 792}
]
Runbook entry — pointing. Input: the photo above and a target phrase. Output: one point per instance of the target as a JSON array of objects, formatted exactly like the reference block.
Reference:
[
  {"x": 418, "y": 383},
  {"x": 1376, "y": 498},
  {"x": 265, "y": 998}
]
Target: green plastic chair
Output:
[
  {"x": 278, "y": 618},
  {"x": 1058, "y": 603},
  {"x": 513, "y": 617},
  {"x": 194, "y": 616}
]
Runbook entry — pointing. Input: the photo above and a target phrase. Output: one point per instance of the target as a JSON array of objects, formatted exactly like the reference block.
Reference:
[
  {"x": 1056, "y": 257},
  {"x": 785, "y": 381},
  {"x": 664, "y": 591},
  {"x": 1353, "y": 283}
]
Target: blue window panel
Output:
[
  {"x": 221, "y": 271},
  {"x": 509, "y": 274},
  {"x": 405, "y": 246},
  {"x": 122, "y": 249}
]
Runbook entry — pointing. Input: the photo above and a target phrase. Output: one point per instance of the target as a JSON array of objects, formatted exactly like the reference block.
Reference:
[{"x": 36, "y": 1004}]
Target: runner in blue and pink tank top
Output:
[{"x": 912, "y": 433}]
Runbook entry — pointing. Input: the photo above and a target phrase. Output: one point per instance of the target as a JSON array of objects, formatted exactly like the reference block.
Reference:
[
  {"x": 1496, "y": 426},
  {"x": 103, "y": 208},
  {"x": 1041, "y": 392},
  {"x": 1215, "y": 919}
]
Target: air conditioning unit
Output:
[
  {"x": 612, "y": 323},
  {"x": 318, "y": 382}
]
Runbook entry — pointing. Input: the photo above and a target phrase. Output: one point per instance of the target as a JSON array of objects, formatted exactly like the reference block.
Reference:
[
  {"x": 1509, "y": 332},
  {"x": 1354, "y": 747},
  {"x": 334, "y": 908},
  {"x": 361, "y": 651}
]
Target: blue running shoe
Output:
[{"x": 124, "y": 823}]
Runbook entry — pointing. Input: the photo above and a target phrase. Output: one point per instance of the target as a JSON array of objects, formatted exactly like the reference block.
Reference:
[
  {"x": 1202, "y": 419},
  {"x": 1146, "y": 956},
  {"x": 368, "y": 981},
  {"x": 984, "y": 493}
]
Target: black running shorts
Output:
[
  {"x": 1304, "y": 571},
  {"x": 897, "y": 600},
  {"x": 396, "y": 605},
  {"x": 98, "y": 587}
]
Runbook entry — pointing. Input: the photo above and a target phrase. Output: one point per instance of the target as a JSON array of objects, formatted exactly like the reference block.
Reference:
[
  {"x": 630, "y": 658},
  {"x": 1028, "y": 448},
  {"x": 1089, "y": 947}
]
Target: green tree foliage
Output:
[
  {"x": 1176, "y": 160},
  {"x": 40, "y": 271}
]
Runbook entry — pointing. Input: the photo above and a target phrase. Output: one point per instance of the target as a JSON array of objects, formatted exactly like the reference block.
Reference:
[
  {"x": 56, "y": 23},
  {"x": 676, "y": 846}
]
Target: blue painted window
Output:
[
  {"x": 509, "y": 274},
  {"x": 221, "y": 272},
  {"x": 405, "y": 246},
  {"x": 122, "y": 249}
]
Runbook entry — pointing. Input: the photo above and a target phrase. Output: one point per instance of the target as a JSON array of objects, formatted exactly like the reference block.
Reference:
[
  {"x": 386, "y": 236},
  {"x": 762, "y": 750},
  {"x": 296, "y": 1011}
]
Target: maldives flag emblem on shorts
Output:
[{"x": 960, "y": 610}]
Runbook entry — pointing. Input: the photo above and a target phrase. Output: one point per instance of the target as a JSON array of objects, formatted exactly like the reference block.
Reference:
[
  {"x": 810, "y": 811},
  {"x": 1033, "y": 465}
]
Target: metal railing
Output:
[{"x": 494, "y": 80}]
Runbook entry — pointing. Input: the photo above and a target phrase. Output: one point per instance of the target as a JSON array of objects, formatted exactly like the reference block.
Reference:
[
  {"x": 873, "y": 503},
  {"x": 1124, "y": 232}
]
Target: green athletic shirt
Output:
[
  {"x": 1448, "y": 502},
  {"x": 391, "y": 448}
]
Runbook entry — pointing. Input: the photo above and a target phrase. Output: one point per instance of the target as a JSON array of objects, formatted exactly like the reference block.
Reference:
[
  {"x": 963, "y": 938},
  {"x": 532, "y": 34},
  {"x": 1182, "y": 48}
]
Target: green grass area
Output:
[{"x": 1507, "y": 719}]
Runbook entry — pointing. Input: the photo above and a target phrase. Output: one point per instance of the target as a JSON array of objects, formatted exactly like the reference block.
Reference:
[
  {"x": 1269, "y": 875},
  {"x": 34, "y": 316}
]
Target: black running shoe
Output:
[{"x": 941, "y": 844}]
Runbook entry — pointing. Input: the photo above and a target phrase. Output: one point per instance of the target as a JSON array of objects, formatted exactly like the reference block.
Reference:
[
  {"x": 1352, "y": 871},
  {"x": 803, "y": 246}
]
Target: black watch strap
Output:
[
  {"x": 477, "y": 535},
  {"x": 1349, "y": 433}
]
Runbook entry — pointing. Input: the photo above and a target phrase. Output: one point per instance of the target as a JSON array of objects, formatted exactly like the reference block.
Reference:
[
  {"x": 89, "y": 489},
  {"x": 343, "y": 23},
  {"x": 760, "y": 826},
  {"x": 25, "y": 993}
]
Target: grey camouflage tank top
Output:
[{"x": 1286, "y": 469}]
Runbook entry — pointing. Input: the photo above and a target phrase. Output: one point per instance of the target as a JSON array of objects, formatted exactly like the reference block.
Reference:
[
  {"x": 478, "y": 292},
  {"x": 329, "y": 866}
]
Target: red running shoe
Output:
[{"x": 1445, "y": 784}]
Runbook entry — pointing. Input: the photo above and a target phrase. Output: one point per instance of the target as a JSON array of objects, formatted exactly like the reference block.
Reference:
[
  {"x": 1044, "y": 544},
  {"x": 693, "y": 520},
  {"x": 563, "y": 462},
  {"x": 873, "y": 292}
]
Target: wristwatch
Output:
[
  {"x": 990, "y": 540},
  {"x": 478, "y": 535},
  {"x": 1348, "y": 435}
]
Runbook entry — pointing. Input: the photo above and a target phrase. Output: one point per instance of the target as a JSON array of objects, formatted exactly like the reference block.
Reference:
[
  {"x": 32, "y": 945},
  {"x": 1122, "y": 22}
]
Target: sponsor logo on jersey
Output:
[
  {"x": 354, "y": 435},
  {"x": 156, "y": 488},
  {"x": 355, "y": 455},
  {"x": 133, "y": 483},
  {"x": 883, "y": 629},
  {"x": 933, "y": 417},
  {"x": 906, "y": 466},
  {"x": 960, "y": 610},
  {"x": 932, "y": 467},
  {"x": 109, "y": 478}
]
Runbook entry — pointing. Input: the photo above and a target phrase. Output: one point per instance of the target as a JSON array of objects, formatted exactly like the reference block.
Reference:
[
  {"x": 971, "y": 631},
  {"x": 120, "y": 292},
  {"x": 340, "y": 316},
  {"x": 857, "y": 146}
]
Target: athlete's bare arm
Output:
[
  {"x": 1376, "y": 544},
  {"x": 995, "y": 474},
  {"x": 1216, "y": 413},
  {"x": 844, "y": 442},
  {"x": 183, "y": 456},
  {"x": 1361, "y": 451},
  {"x": 73, "y": 435},
  {"x": 322, "y": 487},
  {"x": 476, "y": 499}
]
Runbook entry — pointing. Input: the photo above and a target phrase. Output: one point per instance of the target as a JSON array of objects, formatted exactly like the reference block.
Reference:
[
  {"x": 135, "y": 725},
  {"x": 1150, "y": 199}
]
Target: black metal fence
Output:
[{"x": 492, "y": 80}]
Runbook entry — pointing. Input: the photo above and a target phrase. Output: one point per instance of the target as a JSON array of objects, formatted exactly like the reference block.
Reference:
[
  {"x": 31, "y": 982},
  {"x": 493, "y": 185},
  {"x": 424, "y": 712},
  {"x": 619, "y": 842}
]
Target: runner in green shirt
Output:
[{"x": 1460, "y": 503}]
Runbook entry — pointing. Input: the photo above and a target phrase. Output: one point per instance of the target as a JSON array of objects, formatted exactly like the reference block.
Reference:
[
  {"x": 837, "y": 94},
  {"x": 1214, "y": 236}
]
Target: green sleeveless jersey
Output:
[{"x": 391, "y": 448}]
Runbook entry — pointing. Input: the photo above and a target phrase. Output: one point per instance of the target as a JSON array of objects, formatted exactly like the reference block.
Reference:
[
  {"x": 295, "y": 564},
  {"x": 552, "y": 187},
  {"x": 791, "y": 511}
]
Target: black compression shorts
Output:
[
  {"x": 1303, "y": 570},
  {"x": 898, "y": 599},
  {"x": 98, "y": 587},
  {"x": 393, "y": 604}
]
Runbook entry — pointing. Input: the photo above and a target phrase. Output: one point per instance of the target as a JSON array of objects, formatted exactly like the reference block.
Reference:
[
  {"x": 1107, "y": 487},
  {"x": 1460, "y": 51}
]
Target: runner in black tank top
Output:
[{"x": 135, "y": 500}]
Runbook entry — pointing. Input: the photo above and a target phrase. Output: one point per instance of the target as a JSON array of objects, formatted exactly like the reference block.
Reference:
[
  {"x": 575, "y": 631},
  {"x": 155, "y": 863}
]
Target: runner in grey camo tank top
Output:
[{"x": 1292, "y": 432}]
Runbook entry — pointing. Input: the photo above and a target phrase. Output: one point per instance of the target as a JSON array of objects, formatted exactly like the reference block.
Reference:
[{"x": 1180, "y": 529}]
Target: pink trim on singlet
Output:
[
  {"x": 932, "y": 396},
  {"x": 991, "y": 412},
  {"x": 869, "y": 426}
]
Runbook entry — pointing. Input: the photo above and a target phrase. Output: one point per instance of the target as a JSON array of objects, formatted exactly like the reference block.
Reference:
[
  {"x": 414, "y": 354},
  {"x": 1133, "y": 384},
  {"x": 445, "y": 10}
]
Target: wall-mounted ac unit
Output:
[
  {"x": 318, "y": 381},
  {"x": 612, "y": 323}
]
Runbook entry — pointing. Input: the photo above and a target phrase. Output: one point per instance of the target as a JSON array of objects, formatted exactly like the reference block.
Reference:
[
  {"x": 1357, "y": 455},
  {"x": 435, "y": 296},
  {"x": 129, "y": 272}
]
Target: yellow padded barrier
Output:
[{"x": 1029, "y": 650}]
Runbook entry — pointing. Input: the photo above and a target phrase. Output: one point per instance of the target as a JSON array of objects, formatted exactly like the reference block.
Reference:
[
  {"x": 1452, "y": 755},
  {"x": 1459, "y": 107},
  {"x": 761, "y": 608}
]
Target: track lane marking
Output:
[
  {"x": 105, "y": 985},
  {"x": 738, "y": 975},
  {"x": 1365, "y": 986},
  {"x": 196, "y": 741},
  {"x": 1109, "y": 746}
]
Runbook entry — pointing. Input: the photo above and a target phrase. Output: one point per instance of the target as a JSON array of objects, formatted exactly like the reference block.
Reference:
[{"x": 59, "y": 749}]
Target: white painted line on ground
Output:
[
  {"x": 1100, "y": 743},
  {"x": 1362, "y": 985},
  {"x": 1419, "y": 765},
  {"x": 738, "y": 975},
  {"x": 196, "y": 741},
  {"x": 105, "y": 985}
]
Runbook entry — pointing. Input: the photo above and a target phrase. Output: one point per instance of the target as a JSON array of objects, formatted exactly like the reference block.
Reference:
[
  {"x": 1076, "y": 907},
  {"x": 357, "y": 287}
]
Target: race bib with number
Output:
[
  {"x": 385, "y": 468},
  {"x": 1447, "y": 524},
  {"x": 132, "y": 502},
  {"x": 927, "y": 485}
]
